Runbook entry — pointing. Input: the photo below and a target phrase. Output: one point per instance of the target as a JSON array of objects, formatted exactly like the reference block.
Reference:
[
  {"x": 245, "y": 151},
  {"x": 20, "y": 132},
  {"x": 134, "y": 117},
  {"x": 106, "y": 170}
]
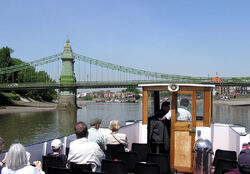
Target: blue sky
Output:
[{"x": 184, "y": 37}]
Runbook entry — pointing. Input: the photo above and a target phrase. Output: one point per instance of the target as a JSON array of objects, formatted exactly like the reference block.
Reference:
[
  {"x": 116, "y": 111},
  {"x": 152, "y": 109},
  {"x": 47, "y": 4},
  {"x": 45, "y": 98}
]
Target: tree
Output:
[{"x": 24, "y": 76}]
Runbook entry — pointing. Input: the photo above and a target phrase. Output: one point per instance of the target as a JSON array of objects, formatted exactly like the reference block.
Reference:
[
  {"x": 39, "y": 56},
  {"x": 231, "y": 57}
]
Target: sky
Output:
[{"x": 181, "y": 37}]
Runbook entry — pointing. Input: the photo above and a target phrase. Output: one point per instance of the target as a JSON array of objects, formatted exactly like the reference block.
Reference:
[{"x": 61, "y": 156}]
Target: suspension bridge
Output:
[{"x": 69, "y": 71}]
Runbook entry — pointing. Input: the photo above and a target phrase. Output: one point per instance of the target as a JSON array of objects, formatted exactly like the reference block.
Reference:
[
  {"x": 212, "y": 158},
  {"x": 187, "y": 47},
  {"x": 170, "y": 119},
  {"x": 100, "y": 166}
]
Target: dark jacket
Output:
[{"x": 158, "y": 133}]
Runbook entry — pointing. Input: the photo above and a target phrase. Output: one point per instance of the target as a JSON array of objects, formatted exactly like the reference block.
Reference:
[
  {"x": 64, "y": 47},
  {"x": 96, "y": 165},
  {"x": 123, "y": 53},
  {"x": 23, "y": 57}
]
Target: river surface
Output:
[{"x": 29, "y": 128}]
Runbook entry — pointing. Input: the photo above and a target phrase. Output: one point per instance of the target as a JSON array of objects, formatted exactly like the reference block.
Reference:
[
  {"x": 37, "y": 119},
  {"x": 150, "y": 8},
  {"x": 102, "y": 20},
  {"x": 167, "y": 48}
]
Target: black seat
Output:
[
  {"x": 224, "y": 154},
  {"x": 56, "y": 170},
  {"x": 142, "y": 150},
  {"x": 114, "y": 149},
  {"x": 94, "y": 173},
  {"x": 79, "y": 168},
  {"x": 162, "y": 160},
  {"x": 147, "y": 168},
  {"x": 130, "y": 158},
  {"x": 223, "y": 164},
  {"x": 51, "y": 161},
  {"x": 114, "y": 167},
  {"x": 244, "y": 169}
]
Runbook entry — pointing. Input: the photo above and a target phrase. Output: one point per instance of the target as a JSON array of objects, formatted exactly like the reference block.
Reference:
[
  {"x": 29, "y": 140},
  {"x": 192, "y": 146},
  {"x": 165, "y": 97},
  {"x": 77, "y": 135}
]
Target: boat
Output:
[{"x": 184, "y": 133}]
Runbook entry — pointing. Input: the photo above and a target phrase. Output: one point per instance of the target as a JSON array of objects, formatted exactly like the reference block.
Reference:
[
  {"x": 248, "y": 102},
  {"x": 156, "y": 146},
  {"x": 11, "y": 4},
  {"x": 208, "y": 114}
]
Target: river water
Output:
[{"x": 29, "y": 128}]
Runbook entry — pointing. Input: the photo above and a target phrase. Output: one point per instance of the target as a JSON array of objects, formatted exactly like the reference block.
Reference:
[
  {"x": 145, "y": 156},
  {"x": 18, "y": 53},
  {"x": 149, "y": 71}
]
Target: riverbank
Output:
[
  {"x": 234, "y": 102},
  {"x": 35, "y": 106}
]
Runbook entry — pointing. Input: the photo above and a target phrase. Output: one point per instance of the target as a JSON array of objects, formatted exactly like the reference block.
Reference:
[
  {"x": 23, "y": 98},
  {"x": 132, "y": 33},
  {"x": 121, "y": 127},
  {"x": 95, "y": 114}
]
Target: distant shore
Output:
[
  {"x": 234, "y": 102},
  {"x": 49, "y": 106},
  {"x": 28, "y": 107}
]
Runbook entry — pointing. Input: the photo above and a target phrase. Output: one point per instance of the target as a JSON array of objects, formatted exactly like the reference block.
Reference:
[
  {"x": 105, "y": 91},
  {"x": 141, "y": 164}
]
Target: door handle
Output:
[{"x": 192, "y": 129}]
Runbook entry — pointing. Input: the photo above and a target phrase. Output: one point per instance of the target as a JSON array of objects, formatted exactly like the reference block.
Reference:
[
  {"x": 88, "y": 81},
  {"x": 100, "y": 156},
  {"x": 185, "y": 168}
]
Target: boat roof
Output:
[{"x": 179, "y": 84}]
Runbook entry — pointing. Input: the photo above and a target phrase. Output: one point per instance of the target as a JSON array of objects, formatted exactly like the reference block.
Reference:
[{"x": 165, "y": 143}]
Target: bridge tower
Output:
[{"x": 67, "y": 96}]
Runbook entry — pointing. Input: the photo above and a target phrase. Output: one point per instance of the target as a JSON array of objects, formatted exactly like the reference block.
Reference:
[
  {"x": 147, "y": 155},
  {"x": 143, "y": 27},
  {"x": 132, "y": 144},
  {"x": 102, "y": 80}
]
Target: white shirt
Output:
[
  {"x": 183, "y": 115},
  {"x": 24, "y": 170},
  {"x": 82, "y": 151}
]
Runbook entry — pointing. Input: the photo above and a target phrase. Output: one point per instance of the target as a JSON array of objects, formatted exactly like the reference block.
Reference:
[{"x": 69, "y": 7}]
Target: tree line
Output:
[{"x": 25, "y": 76}]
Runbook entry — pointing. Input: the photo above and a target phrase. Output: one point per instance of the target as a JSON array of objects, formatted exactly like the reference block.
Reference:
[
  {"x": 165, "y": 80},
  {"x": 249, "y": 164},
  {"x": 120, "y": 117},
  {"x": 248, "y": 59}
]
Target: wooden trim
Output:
[
  {"x": 190, "y": 88},
  {"x": 194, "y": 125},
  {"x": 184, "y": 169},
  {"x": 155, "y": 88},
  {"x": 207, "y": 108},
  {"x": 185, "y": 92},
  {"x": 173, "y": 116},
  {"x": 199, "y": 124},
  {"x": 144, "y": 107}
]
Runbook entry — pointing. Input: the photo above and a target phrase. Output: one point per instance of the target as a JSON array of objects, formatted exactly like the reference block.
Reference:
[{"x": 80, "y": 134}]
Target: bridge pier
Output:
[{"x": 67, "y": 96}]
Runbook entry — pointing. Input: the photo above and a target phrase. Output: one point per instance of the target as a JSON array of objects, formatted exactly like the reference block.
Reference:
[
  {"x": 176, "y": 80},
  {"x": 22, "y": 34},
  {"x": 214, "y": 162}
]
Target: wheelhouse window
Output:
[
  {"x": 199, "y": 105},
  {"x": 184, "y": 107}
]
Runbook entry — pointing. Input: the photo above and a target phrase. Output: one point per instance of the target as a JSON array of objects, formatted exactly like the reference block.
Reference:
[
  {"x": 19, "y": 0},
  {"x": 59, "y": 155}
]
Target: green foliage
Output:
[
  {"x": 12, "y": 95},
  {"x": 25, "y": 76},
  {"x": 134, "y": 90},
  {"x": 88, "y": 97}
]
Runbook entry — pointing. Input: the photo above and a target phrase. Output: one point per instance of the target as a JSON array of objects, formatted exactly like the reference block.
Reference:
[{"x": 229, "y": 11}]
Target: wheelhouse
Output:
[{"x": 191, "y": 107}]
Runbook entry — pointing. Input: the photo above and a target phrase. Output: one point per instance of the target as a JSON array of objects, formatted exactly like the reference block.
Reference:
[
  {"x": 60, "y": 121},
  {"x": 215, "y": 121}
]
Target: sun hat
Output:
[
  {"x": 56, "y": 144},
  {"x": 95, "y": 121}
]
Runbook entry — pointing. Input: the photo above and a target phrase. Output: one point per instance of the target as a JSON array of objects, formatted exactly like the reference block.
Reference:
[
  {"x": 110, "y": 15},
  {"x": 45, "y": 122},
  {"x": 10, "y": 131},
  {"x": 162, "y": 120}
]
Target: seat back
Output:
[
  {"x": 142, "y": 150},
  {"x": 223, "y": 164},
  {"x": 56, "y": 170},
  {"x": 244, "y": 169},
  {"x": 113, "y": 149},
  {"x": 79, "y": 168},
  {"x": 51, "y": 161},
  {"x": 147, "y": 168},
  {"x": 114, "y": 167},
  {"x": 162, "y": 160},
  {"x": 130, "y": 158},
  {"x": 224, "y": 154},
  {"x": 94, "y": 173}
]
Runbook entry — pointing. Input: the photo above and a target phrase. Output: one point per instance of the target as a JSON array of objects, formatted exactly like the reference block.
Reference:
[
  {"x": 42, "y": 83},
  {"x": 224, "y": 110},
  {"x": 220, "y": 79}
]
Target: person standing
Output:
[
  {"x": 94, "y": 134},
  {"x": 82, "y": 151}
]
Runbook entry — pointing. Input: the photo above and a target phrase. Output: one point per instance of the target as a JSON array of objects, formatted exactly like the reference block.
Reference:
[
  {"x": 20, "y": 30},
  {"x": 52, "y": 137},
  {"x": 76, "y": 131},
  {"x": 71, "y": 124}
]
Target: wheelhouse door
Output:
[{"x": 183, "y": 128}]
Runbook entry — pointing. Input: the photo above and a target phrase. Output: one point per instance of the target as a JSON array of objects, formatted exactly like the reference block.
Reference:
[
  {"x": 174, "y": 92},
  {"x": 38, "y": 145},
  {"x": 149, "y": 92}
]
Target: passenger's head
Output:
[
  {"x": 16, "y": 157},
  {"x": 81, "y": 130},
  {"x": 1, "y": 144},
  {"x": 114, "y": 125},
  {"x": 95, "y": 123},
  {"x": 56, "y": 145},
  {"x": 184, "y": 102},
  {"x": 165, "y": 106}
]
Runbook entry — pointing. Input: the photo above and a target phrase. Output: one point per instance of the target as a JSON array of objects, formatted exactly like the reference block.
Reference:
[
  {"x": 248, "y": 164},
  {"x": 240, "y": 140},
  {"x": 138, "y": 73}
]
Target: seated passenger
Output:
[
  {"x": 1, "y": 148},
  {"x": 94, "y": 134},
  {"x": 56, "y": 147},
  {"x": 17, "y": 162},
  {"x": 114, "y": 137},
  {"x": 82, "y": 151},
  {"x": 244, "y": 158}
]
